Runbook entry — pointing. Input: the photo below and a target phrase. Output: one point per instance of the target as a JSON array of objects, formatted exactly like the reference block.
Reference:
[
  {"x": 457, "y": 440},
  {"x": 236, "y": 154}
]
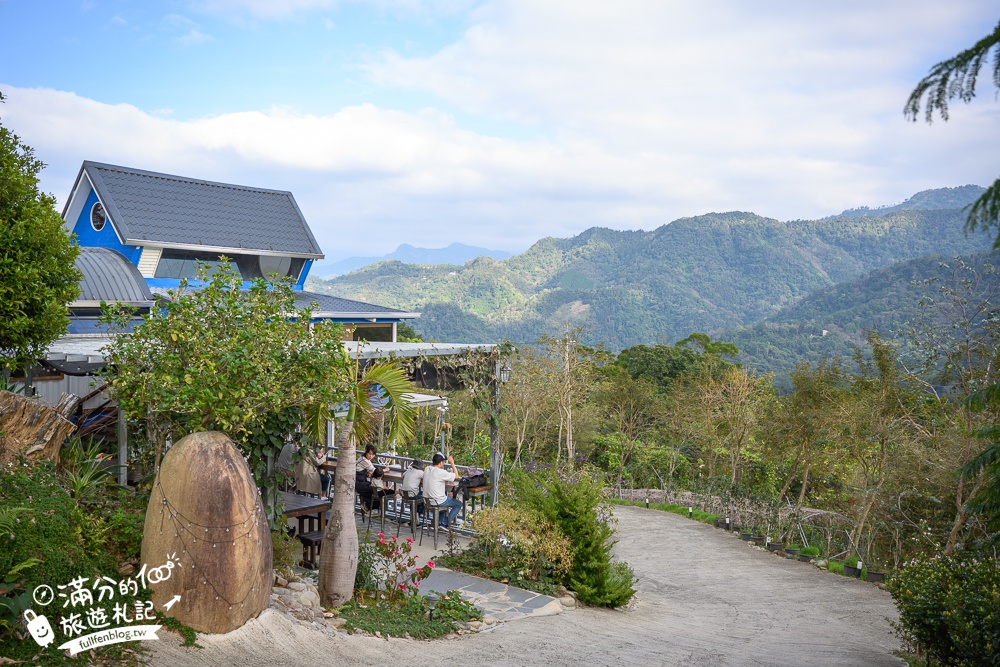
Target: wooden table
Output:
[{"x": 306, "y": 509}]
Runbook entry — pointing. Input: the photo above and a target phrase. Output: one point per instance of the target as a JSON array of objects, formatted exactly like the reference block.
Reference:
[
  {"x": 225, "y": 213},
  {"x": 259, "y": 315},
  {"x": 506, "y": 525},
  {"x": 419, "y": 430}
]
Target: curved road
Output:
[{"x": 704, "y": 598}]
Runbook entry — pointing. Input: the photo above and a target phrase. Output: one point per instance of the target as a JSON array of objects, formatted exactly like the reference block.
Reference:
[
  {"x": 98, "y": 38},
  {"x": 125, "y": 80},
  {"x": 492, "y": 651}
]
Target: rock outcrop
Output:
[{"x": 205, "y": 514}]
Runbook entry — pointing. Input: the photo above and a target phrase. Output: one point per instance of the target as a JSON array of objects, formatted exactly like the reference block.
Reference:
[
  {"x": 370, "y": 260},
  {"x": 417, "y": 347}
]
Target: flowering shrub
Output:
[
  {"x": 950, "y": 606},
  {"x": 399, "y": 574}
]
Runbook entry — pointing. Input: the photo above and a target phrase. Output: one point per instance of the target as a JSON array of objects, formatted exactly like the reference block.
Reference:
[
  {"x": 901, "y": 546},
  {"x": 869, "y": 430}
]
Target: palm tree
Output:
[{"x": 338, "y": 562}]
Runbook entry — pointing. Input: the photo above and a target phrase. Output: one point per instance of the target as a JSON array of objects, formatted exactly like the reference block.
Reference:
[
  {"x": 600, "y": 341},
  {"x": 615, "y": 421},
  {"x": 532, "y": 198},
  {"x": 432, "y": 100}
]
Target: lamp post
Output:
[
  {"x": 432, "y": 601},
  {"x": 501, "y": 376}
]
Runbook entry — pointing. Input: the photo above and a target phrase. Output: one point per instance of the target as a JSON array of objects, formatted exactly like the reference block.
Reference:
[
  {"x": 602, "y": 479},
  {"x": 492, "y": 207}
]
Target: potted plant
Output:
[
  {"x": 775, "y": 546},
  {"x": 876, "y": 575},
  {"x": 745, "y": 536},
  {"x": 807, "y": 554},
  {"x": 792, "y": 551},
  {"x": 851, "y": 568}
]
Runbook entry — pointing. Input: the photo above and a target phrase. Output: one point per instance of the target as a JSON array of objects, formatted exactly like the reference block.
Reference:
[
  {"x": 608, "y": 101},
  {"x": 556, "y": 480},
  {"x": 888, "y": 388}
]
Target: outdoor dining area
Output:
[{"x": 306, "y": 513}]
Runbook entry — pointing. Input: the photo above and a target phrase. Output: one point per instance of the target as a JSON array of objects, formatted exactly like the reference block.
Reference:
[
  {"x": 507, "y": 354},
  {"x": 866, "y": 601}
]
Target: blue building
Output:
[{"x": 165, "y": 225}]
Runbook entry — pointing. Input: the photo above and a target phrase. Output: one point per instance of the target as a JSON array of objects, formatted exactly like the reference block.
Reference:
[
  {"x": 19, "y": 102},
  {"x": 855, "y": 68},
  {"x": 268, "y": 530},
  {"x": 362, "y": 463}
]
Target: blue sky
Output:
[{"x": 498, "y": 122}]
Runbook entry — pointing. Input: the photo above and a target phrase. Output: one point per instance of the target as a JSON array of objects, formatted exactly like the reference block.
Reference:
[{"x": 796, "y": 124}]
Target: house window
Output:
[
  {"x": 184, "y": 264},
  {"x": 98, "y": 217}
]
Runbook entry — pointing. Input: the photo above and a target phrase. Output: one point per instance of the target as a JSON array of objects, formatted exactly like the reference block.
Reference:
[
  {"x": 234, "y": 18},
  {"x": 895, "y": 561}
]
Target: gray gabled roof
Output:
[
  {"x": 335, "y": 307},
  {"x": 149, "y": 207},
  {"x": 108, "y": 276}
]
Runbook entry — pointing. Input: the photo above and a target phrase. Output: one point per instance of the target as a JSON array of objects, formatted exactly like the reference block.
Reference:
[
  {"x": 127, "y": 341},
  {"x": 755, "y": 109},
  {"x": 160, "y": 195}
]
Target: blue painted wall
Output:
[{"x": 106, "y": 238}]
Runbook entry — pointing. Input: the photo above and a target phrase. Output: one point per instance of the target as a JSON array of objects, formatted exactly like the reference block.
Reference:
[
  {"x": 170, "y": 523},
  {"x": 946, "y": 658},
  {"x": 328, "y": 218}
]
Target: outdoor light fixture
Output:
[
  {"x": 503, "y": 371},
  {"x": 647, "y": 502},
  {"x": 432, "y": 601},
  {"x": 690, "y": 512}
]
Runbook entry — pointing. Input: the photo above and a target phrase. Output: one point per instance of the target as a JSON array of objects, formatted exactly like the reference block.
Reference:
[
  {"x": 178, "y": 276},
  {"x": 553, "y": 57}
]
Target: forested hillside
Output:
[
  {"x": 708, "y": 273},
  {"x": 832, "y": 321}
]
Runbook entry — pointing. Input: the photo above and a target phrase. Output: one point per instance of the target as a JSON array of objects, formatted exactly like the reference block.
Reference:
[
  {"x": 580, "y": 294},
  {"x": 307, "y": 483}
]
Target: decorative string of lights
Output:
[{"x": 193, "y": 528}]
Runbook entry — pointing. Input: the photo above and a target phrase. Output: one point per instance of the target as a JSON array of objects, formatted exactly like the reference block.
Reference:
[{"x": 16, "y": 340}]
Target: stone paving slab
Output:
[{"x": 497, "y": 601}]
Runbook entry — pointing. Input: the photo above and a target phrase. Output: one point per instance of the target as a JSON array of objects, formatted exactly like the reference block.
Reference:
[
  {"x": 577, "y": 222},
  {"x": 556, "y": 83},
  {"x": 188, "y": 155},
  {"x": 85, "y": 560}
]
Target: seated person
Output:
[
  {"x": 435, "y": 483},
  {"x": 363, "y": 471},
  {"x": 411, "y": 483},
  {"x": 286, "y": 459},
  {"x": 378, "y": 488}
]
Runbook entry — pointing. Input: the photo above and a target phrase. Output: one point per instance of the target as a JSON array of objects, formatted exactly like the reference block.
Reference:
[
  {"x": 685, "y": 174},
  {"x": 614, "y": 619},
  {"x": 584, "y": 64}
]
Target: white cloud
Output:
[
  {"x": 193, "y": 38},
  {"x": 286, "y": 9},
  {"x": 637, "y": 113}
]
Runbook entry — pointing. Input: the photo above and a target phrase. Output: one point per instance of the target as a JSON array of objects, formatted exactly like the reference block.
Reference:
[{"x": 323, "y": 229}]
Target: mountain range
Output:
[
  {"x": 456, "y": 253},
  {"x": 737, "y": 275}
]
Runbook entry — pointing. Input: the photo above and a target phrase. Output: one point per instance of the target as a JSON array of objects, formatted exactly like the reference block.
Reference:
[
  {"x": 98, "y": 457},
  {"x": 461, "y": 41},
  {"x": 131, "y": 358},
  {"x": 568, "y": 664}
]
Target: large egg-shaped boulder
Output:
[{"x": 206, "y": 515}]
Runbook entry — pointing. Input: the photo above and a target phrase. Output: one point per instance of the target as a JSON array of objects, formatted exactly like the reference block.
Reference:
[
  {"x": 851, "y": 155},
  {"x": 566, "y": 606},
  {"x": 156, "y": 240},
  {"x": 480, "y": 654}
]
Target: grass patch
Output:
[
  {"x": 189, "y": 634},
  {"x": 835, "y": 566},
  {"x": 410, "y": 616},
  {"x": 697, "y": 515}
]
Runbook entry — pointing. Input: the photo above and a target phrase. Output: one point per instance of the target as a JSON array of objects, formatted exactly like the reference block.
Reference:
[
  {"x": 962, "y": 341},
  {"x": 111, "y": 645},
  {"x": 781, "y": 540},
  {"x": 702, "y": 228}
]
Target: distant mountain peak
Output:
[
  {"x": 455, "y": 253},
  {"x": 925, "y": 200}
]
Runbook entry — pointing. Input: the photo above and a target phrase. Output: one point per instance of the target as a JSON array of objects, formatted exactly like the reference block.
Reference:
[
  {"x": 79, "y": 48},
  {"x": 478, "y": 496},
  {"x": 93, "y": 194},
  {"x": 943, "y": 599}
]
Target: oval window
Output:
[
  {"x": 98, "y": 217},
  {"x": 279, "y": 265}
]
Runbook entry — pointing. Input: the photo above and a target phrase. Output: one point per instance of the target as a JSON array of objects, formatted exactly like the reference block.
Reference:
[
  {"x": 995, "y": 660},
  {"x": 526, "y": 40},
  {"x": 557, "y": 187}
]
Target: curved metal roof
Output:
[{"x": 108, "y": 276}]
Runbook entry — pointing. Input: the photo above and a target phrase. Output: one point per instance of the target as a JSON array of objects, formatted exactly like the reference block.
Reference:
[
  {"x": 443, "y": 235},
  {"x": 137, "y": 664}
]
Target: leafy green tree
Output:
[
  {"x": 38, "y": 277},
  {"x": 631, "y": 407},
  {"x": 956, "y": 77},
  {"x": 406, "y": 334},
  {"x": 219, "y": 358},
  {"x": 802, "y": 419},
  {"x": 878, "y": 418},
  {"x": 663, "y": 365},
  {"x": 956, "y": 342}
]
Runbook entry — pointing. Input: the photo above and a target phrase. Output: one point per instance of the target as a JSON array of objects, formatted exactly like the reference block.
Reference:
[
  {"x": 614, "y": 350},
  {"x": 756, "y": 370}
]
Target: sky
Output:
[{"x": 498, "y": 122}]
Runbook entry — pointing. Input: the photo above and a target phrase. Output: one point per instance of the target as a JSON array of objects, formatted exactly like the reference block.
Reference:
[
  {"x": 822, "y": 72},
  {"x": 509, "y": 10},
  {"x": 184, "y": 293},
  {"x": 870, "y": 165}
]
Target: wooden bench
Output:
[
  {"x": 311, "y": 543},
  {"x": 472, "y": 493}
]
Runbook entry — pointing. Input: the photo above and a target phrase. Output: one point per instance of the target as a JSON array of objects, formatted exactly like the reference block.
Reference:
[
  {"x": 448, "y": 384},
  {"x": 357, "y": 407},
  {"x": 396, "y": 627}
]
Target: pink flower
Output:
[
  {"x": 410, "y": 540},
  {"x": 381, "y": 534},
  {"x": 430, "y": 563}
]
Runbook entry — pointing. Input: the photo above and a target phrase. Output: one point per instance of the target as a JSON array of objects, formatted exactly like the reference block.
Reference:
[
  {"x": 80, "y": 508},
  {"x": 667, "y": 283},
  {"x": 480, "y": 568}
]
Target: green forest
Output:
[{"x": 709, "y": 273}]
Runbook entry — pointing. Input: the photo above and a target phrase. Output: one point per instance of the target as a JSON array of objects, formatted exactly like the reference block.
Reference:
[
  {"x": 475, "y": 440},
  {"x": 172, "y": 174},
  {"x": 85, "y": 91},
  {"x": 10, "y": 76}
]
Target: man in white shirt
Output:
[
  {"x": 435, "y": 483},
  {"x": 412, "y": 478}
]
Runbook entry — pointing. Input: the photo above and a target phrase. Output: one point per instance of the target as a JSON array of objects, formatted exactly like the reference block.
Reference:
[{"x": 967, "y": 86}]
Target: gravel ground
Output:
[{"x": 704, "y": 598}]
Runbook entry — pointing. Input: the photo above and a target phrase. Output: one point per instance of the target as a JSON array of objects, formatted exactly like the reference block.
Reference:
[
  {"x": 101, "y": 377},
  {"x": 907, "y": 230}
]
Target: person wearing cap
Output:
[{"x": 435, "y": 483}]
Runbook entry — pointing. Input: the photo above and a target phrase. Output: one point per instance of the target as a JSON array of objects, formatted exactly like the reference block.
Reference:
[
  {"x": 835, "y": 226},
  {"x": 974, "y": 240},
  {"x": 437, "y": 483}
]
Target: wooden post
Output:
[
  {"x": 495, "y": 439},
  {"x": 122, "y": 449}
]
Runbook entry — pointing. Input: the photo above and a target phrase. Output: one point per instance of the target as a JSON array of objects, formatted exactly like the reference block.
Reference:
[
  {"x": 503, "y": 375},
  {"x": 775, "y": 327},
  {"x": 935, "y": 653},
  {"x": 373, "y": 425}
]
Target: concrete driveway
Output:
[{"x": 704, "y": 598}]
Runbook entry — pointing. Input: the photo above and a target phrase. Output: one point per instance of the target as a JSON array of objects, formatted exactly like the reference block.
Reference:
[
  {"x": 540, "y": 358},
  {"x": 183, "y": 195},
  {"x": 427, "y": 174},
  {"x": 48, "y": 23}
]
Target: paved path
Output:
[
  {"x": 705, "y": 599},
  {"x": 498, "y": 602}
]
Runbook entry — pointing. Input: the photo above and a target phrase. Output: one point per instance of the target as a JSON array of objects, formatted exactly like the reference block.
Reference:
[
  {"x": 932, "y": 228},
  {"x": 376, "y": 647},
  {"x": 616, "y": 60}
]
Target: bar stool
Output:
[
  {"x": 411, "y": 501},
  {"x": 432, "y": 514}
]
